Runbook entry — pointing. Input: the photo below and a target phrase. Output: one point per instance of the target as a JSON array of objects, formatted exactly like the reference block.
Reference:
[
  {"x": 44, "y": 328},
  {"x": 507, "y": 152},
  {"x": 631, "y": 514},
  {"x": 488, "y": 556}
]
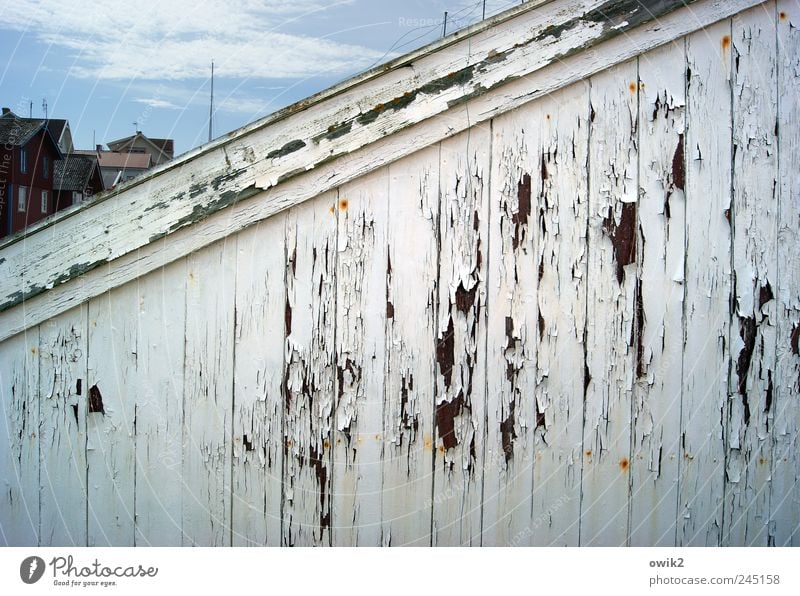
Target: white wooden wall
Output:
[{"x": 576, "y": 323}]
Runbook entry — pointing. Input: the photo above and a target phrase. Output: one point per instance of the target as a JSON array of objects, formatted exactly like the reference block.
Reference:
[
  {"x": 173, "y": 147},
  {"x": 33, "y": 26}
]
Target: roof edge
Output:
[{"x": 290, "y": 110}]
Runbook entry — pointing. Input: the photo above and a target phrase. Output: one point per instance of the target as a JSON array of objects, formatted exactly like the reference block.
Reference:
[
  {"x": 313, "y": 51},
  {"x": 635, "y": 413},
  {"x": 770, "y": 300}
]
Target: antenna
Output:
[
  {"x": 211, "y": 105},
  {"x": 135, "y": 127},
  {"x": 44, "y": 107},
  {"x": 484, "y": 11},
  {"x": 30, "y": 110},
  {"x": 444, "y": 25}
]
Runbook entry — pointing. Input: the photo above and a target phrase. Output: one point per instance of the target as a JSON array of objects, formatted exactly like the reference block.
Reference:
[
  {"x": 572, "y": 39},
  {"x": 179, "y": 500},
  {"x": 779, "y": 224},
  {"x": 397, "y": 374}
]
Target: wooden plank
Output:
[
  {"x": 208, "y": 392},
  {"x": 361, "y": 311},
  {"x": 785, "y": 486},
  {"x": 309, "y": 401},
  {"x": 161, "y": 329},
  {"x": 111, "y": 416},
  {"x": 562, "y": 121},
  {"x": 230, "y": 173},
  {"x": 511, "y": 333},
  {"x": 611, "y": 307},
  {"x": 62, "y": 429},
  {"x": 258, "y": 381},
  {"x": 753, "y": 337},
  {"x": 660, "y": 295},
  {"x": 411, "y": 278},
  {"x": 19, "y": 462},
  {"x": 460, "y": 413},
  {"x": 706, "y": 354}
]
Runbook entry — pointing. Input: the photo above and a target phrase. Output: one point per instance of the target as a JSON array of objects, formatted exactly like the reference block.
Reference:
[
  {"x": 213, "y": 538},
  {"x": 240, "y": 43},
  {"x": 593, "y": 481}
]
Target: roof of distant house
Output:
[
  {"x": 73, "y": 172},
  {"x": 166, "y": 146},
  {"x": 126, "y": 161},
  {"x": 17, "y": 131}
]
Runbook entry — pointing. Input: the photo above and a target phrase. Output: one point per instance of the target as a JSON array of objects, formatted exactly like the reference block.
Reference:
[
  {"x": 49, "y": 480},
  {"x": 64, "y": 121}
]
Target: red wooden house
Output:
[{"x": 28, "y": 154}]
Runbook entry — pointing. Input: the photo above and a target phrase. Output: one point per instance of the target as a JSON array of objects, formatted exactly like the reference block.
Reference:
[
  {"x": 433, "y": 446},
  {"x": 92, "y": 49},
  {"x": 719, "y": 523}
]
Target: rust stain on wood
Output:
[
  {"x": 95, "y": 400},
  {"x": 446, "y": 413},
  {"x": 679, "y": 165},
  {"x": 747, "y": 331},
  {"x": 623, "y": 237},
  {"x": 520, "y": 218},
  {"x": 508, "y": 434}
]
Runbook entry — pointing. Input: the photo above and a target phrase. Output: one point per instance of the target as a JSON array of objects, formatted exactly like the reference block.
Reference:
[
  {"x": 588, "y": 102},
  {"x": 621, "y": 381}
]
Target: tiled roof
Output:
[
  {"x": 17, "y": 131},
  {"x": 73, "y": 172}
]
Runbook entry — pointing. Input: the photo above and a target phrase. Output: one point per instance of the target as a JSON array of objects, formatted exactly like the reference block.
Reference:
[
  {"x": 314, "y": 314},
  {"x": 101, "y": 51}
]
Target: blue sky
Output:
[{"x": 106, "y": 64}]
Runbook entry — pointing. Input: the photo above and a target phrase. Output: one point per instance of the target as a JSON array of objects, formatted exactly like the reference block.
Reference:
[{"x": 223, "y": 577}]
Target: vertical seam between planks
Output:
[
  {"x": 186, "y": 272},
  {"x": 435, "y": 307},
  {"x": 639, "y": 256},
  {"x": 487, "y": 287},
  {"x": 136, "y": 369},
  {"x": 681, "y": 428},
  {"x": 282, "y": 393},
  {"x": 235, "y": 242},
  {"x": 85, "y": 416},
  {"x": 386, "y": 350},
  {"x": 773, "y": 448},
  {"x": 590, "y": 124},
  {"x": 334, "y": 364},
  {"x": 725, "y": 535}
]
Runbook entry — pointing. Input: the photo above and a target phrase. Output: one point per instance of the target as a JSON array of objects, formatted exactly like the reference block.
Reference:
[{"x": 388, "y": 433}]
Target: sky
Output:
[{"x": 112, "y": 67}]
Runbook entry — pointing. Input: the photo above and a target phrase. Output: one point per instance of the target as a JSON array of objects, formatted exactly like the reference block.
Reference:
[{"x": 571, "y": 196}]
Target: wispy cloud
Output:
[
  {"x": 157, "y": 103},
  {"x": 175, "y": 40}
]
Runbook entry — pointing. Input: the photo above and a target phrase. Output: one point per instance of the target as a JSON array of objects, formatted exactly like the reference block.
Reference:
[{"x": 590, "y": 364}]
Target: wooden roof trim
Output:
[{"x": 217, "y": 224}]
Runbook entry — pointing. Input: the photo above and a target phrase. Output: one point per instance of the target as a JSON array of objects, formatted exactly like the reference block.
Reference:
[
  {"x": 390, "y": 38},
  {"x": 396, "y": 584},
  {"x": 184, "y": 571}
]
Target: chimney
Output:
[
  {"x": 99, "y": 148},
  {"x": 6, "y": 111}
]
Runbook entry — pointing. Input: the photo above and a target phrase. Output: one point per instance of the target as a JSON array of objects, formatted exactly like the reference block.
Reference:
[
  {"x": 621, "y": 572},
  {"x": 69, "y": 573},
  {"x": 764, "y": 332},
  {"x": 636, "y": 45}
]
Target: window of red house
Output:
[
  {"x": 22, "y": 203},
  {"x": 44, "y": 201},
  {"x": 23, "y": 160},
  {"x": 46, "y": 166}
]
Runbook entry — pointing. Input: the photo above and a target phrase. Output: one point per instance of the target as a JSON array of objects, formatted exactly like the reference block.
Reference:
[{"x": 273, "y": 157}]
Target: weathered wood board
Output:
[
  {"x": 161, "y": 328},
  {"x": 563, "y": 309},
  {"x": 784, "y": 524},
  {"x": 19, "y": 463},
  {"x": 208, "y": 395},
  {"x": 62, "y": 429},
  {"x": 706, "y": 353},
  {"x": 611, "y": 304},
  {"x": 754, "y": 213},
  {"x": 460, "y": 402},
  {"x": 258, "y": 385},
  {"x": 361, "y": 314},
  {"x": 411, "y": 278},
  {"x": 511, "y": 334},
  {"x": 310, "y": 371},
  {"x": 111, "y": 416},
  {"x": 659, "y": 335}
]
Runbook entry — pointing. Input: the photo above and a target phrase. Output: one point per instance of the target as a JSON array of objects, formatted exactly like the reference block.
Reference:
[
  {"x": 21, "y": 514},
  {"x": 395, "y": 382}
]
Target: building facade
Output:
[{"x": 29, "y": 154}]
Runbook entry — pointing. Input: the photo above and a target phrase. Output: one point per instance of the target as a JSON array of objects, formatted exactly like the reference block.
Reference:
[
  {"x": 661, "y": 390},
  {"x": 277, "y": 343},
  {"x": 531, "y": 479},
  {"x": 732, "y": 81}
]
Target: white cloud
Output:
[
  {"x": 157, "y": 103},
  {"x": 176, "y": 39}
]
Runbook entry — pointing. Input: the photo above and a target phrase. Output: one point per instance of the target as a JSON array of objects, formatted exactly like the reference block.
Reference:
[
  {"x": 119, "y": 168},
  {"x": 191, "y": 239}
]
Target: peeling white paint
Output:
[{"x": 515, "y": 324}]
